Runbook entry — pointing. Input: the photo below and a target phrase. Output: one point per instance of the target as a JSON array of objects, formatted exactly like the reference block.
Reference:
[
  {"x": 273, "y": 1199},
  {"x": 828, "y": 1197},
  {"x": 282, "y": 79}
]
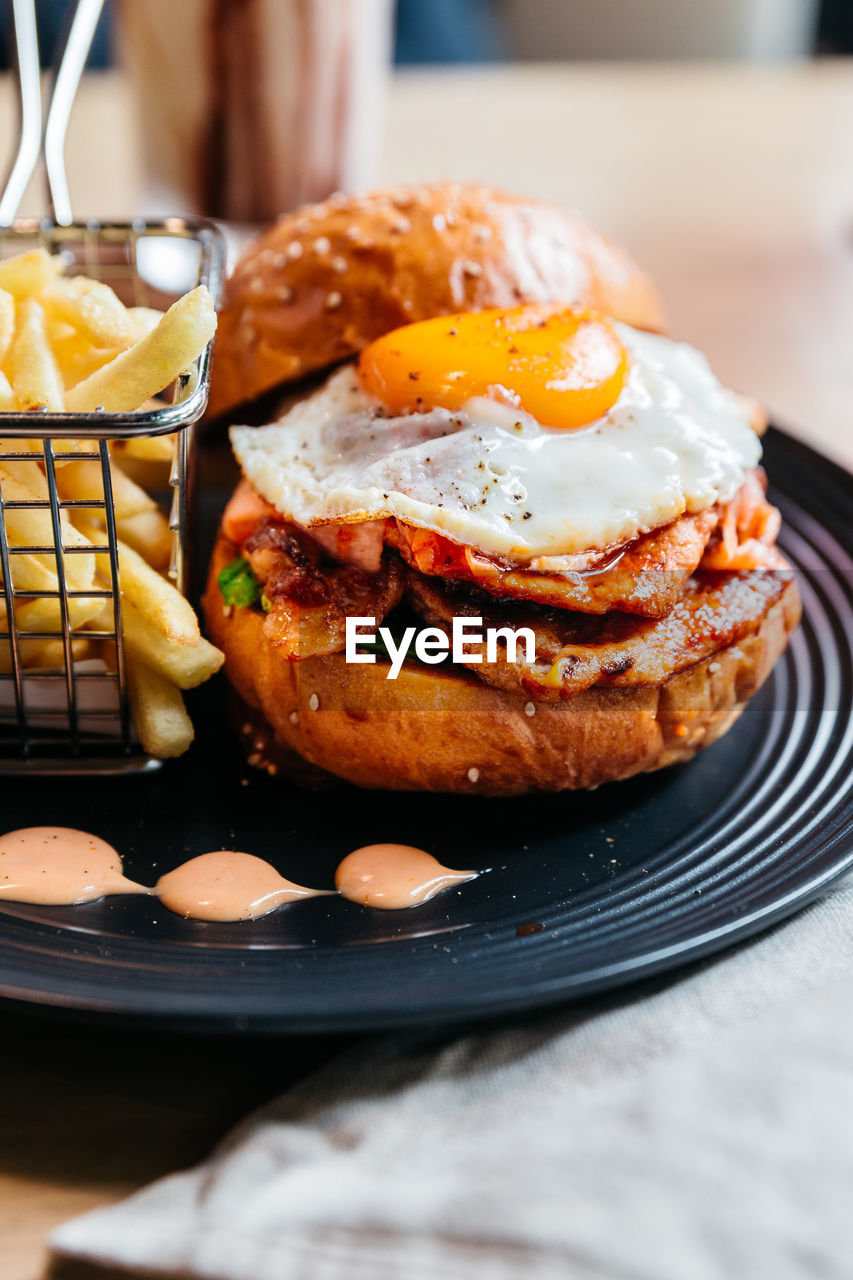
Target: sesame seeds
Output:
[
  {"x": 530, "y": 708},
  {"x": 482, "y": 234},
  {"x": 472, "y": 269},
  {"x": 294, "y": 717},
  {"x": 256, "y": 285},
  {"x": 333, "y": 300},
  {"x": 314, "y": 703},
  {"x": 714, "y": 667},
  {"x": 294, "y": 250},
  {"x": 439, "y": 222},
  {"x": 339, "y": 264},
  {"x": 285, "y": 294},
  {"x": 322, "y": 245},
  {"x": 473, "y": 775},
  {"x": 401, "y": 226}
]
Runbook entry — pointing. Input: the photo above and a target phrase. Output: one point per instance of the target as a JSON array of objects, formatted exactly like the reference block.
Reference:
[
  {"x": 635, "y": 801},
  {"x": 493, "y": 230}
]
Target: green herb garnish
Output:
[{"x": 238, "y": 584}]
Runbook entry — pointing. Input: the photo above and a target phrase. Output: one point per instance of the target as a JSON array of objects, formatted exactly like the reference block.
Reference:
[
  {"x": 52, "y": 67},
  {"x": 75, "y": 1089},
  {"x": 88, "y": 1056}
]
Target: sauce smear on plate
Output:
[
  {"x": 392, "y": 876},
  {"x": 228, "y": 886},
  {"x": 59, "y": 866}
]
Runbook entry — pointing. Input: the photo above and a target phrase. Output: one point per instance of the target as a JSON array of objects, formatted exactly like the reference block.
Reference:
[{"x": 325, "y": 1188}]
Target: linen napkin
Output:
[{"x": 692, "y": 1128}]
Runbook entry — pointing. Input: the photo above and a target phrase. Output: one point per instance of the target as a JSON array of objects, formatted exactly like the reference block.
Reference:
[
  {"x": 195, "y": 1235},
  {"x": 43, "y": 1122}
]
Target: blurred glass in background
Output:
[
  {"x": 251, "y": 107},
  {"x": 759, "y": 30},
  {"x": 435, "y": 31}
]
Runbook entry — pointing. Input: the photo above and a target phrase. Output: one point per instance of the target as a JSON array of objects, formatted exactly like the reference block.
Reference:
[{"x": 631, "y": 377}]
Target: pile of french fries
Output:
[{"x": 68, "y": 344}]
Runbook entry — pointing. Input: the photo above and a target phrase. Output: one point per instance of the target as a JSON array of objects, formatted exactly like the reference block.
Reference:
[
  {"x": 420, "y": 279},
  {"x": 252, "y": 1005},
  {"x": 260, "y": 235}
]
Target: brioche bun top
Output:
[{"x": 326, "y": 280}]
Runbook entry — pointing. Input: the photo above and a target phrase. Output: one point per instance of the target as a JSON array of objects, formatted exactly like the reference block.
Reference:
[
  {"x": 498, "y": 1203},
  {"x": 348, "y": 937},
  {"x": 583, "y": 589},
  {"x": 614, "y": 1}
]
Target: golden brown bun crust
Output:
[
  {"x": 431, "y": 731},
  {"x": 326, "y": 280}
]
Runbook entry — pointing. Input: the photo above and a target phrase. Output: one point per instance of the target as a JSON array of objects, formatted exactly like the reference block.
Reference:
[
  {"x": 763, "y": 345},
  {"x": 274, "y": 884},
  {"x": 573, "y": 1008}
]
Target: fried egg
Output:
[{"x": 526, "y": 433}]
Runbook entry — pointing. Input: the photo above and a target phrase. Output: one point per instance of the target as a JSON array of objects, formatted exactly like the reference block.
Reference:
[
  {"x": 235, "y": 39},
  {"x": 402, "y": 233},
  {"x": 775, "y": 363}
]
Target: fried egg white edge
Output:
[{"x": 494, "y": 479}]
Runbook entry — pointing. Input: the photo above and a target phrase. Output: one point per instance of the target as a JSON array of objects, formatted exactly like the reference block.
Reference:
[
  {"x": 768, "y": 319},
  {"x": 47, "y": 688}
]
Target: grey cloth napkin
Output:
[{"x": 695, "y": 1128}]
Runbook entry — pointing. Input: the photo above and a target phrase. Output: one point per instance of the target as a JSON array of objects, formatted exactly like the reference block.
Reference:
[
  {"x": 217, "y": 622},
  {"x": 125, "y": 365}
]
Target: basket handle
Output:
[
  {"x": 28, "y": 80},
  {"x": 47, "y": 145}
]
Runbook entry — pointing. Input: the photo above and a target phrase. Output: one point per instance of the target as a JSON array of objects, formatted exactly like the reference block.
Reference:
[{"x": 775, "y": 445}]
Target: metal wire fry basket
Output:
[
  {"x": 58, "y": 714},
  {"x": 63, "y": 710}
]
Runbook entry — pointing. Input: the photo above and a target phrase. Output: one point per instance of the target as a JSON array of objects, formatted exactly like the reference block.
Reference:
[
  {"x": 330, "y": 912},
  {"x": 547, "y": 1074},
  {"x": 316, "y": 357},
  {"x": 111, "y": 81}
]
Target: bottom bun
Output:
[{"x": 435, "y": 730}]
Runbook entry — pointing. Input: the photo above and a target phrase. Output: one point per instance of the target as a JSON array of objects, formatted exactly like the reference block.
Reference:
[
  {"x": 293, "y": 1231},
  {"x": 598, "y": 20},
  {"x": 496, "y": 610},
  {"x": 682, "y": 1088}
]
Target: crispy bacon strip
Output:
[
  {"x": 244, "y": 512},
  {"x": 645, "y": 577},
  {"x": 747, "y": 533},
  {"x": 309, "y": 599},
  {"x": 360, "y": 544}
]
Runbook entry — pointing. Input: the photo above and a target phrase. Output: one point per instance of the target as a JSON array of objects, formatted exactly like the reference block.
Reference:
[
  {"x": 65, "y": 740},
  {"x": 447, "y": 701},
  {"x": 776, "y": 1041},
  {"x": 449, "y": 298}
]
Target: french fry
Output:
[
  {"x": 51, "y": 653},
  {"x": 156, "y": 599},
  {"x": 146, "y": 448},
  {"x": 44, "y": 654},
  {"x": 185, "y": 665},
  {"x": 25, "y": 472},
  {"x": 30, "y": 573},
  {"x": 27, "y": 274},
  {"x": 150, "y": 535},
  {"x": 7, "y": 322},
  {"x": 159, "y": 715},
  {"x": 91, "y": 308},
  {"x": 153, "y": 362},
  {"x": 33, "y": 527},
  {"x": 33, "y": 371},
  {"x": 84, "y": 482},
  {"x": 87, "y": 523},
  {"x": 144, "y": 319},
  {"x": 42, "y": 611},
  {"x": 45, "y": 614},
  {"x": 8, "y": 404},
  {"x": 77, "y": 358}
]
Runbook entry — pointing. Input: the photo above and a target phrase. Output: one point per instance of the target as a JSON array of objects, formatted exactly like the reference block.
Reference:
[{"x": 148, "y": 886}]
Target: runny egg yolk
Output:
[{"x": 565, "y": 366}]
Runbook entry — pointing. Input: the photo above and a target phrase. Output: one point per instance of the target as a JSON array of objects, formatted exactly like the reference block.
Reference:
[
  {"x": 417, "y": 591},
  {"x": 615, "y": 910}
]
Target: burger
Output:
[{"x": 501, "y": 534}]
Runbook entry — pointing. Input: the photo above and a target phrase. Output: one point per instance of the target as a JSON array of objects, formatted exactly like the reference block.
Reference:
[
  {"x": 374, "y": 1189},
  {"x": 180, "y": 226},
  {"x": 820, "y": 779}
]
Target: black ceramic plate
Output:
[{"x": 587, "y": 891}]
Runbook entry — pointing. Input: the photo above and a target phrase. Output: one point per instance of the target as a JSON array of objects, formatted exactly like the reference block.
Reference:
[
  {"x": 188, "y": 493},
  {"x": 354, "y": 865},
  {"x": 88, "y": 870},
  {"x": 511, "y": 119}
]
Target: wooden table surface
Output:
[{"x": 734, "y": 187}]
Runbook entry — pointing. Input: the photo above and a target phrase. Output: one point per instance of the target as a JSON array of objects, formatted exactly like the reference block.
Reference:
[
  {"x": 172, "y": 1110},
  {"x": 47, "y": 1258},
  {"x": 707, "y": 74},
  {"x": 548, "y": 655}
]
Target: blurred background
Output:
[{"x": 447, "y": 31}]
